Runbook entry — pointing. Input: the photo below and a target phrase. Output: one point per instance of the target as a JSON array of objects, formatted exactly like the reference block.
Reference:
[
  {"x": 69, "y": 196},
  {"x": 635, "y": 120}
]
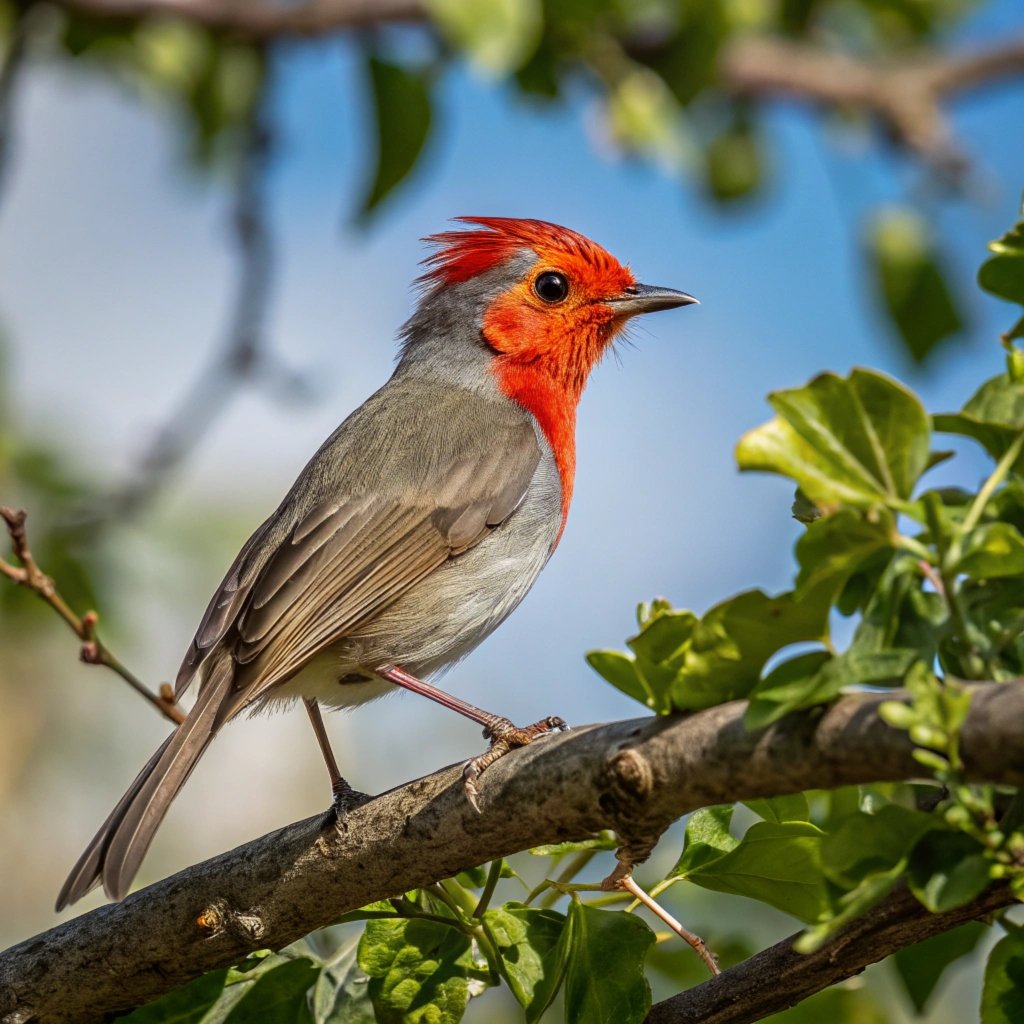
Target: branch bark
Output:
[
  {"x": 906, "y": 96},
  {"x": 260, "y": 20},
  {"x": 635, "y": 776},
  {"x": 779, "y": 977}
]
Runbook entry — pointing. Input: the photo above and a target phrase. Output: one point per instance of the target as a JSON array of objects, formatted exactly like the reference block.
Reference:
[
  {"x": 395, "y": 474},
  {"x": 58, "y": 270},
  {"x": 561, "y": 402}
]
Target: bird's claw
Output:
[
  {"x": 346, "y": 798},
  {"x": 504, "y": 736}
]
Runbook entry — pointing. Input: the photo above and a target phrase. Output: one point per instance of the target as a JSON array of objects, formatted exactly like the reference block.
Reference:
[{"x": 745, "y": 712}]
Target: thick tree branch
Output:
[
  {"x": 779, "y": 977},
  {"x": 92, "y": 652},
  {"x": 636, "y": 777},
  {"x": 907, "y": 96}
]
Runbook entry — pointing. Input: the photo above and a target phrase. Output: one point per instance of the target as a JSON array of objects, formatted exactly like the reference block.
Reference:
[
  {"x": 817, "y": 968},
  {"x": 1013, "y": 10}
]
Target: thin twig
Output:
[
  {"x": 694, "y": 941},
  {"x": 92, "y": 651}
]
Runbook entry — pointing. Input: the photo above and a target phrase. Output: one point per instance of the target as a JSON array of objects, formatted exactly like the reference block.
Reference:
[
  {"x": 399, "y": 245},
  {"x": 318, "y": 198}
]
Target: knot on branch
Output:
[
  {"x": 628, "y": 783},
  {"x": 220, "y": 917}
]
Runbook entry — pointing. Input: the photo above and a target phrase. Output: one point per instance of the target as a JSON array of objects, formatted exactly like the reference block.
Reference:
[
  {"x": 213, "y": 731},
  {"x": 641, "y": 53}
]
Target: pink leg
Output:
[
  {"x": 504, "y": 736},
  {"x": 345, "y": 797}
]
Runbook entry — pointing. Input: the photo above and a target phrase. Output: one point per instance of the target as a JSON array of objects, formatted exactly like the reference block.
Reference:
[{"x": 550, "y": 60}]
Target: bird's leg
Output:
[
  {"x": 504, "y": 736},
  {"x": 345, "y": 797}
]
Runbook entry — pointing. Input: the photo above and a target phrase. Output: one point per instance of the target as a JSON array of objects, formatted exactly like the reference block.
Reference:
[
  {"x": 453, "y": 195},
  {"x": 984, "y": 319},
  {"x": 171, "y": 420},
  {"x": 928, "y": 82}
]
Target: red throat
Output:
[{"x": 554, "y": 409}]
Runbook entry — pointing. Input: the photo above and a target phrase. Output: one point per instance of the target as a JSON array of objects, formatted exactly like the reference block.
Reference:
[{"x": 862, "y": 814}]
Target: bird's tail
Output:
[{"x": 116, "y": 851}]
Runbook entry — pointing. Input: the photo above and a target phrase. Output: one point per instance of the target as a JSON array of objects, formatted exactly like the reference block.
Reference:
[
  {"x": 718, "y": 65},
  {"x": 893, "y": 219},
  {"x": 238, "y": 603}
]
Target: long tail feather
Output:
[{"x": 117, "y": 849}]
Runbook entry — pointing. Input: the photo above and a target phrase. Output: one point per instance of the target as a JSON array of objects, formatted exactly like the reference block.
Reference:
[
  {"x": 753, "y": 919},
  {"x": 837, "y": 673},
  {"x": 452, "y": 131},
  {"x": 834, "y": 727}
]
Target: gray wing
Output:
[{"x": 294, "y": 591}]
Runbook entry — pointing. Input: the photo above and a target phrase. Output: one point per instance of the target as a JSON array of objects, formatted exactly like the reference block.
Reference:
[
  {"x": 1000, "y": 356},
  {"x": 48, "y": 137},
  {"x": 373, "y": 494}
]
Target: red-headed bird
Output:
[{"x": 421, "y": 522}]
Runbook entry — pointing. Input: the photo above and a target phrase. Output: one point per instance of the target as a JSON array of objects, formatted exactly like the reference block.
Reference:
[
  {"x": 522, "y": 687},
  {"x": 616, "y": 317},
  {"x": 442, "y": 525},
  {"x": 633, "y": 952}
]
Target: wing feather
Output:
[{"x": 318, "y": 570}]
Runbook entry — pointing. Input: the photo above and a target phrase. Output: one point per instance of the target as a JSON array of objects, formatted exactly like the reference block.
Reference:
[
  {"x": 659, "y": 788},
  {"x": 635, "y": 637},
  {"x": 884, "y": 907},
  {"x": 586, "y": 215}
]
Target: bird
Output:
[{"x": 419, "y": 524}]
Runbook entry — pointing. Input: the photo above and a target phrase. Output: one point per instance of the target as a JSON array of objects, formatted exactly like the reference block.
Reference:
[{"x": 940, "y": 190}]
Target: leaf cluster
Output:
[{"x": 656, "y": 69}]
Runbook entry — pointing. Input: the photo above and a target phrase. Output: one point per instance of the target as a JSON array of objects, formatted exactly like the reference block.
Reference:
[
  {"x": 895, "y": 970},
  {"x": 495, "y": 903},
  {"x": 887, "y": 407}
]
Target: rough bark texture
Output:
[
  {"x": 779, "y": 977},
  {"x": 635, "y": 776}
]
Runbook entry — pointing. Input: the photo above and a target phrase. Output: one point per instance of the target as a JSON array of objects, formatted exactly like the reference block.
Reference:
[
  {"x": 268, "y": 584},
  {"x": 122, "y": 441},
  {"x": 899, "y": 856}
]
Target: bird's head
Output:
[{"x": 545, "y": 297}]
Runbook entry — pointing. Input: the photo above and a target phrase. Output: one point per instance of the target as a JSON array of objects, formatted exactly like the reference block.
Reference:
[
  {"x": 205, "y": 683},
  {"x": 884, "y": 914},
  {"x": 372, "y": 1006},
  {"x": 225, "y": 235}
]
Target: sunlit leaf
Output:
[{"x": 860, "y": 440}]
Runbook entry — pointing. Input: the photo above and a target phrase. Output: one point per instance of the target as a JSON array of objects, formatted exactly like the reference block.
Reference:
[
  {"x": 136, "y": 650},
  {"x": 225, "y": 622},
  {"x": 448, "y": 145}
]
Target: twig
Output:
[
  {"x": 694, "y": 941},
  {"x": 906, "y": 94},
  {"x": 274, "y": 890},
  {"x": 92, "y": 651}
]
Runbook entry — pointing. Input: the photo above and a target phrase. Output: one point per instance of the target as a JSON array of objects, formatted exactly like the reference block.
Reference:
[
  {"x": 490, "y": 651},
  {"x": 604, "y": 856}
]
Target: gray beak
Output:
[{"x": 646, "y": 298}]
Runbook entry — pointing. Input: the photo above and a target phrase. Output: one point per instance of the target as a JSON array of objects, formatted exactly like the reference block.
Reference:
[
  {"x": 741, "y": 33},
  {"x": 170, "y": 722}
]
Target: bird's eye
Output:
[{"x": 551, "y": 286}]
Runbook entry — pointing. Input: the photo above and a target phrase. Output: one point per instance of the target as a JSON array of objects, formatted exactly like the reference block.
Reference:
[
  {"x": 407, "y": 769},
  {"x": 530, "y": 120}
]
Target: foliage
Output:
[
  {"x": 931, "y": 579},
  {"x": 657, "y": 69}
]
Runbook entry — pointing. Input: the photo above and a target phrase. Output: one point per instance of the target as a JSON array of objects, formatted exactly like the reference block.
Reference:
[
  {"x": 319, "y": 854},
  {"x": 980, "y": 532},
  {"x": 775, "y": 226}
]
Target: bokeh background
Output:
[{"x": 119, "y": 271}]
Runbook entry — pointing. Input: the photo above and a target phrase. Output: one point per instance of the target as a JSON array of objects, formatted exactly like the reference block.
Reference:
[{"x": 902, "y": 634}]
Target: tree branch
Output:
[
  {"x": 243, "y": 357},
  {"x": 260, "y": 20},
  {"x": 779, "y": 977},
  {"x": 906, "y": 96},
  {"x": 92, "y": 651},
  {"x": 636, "y": 777}
]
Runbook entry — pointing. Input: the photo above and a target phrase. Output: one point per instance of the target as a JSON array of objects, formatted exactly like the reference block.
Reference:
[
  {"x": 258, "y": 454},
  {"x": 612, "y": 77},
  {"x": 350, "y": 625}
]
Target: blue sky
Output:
[{"x": 116, "y": 277}]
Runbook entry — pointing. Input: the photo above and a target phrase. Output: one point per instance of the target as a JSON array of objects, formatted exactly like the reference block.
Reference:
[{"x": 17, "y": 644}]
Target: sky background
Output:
[{"x": 116, "y": 278}]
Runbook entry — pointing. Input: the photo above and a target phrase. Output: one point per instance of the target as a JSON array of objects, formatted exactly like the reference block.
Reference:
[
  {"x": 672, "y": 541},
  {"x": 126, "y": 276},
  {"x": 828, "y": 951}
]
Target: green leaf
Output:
[
  {"x": 342, "y": 995},
  {"x": 818, "y": 677},
  {"x": 834, "y": 547},
  {"x": 850, "y": 905},
  {"x": 947, "y": 869},
  {"x": 1002, "y": 997},
  {"x": 604, "y": 841},
  {"x": 860, "y": 441},
  {"x": 782, "y": 808},
  {"x": 793, "y": 684},
  {"x": 185, "y": 1005},
  {"x": 621, "y": 671},
  {"x": 920, "y": 967},
  {"x": 778, "y": 864},
  {"x": 993, "y": 416},
  {"x": 279, "y": 996},
  {"x": 1002, "y": 274},
  {"x": 498, "y": 35},
  {"x": 733, "y": 161},
  {"x": 604, "y": 978},
  {"x": 415, "y": 977},
  {"x": 734, "y": 639},
  {"x": 644, "y": 117},
  {"x": 992, "y": 550},
  {"x": 527, "y": 940},
  {"x": 866, "y": 844},
  {"x": 401, "y": 102},
  {"x": 707, "y": 838},
  {"x": 909, "y": 276}
]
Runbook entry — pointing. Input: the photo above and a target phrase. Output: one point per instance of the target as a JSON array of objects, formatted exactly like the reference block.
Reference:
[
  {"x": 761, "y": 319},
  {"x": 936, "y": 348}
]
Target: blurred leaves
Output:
[
  {"x": 1003, "y": 273},
  {"x": 908, "y": 274},
  {"x": 402, "y": 109},
  {"x": 497, "y": 35}
]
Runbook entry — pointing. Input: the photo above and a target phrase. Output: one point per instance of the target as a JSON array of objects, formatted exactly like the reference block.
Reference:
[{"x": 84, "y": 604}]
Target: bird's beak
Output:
[{"x": 646, "y": 298}]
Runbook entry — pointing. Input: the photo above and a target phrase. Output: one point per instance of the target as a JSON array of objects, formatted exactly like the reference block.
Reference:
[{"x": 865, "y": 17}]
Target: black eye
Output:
[{"x": 551, "y": 287}]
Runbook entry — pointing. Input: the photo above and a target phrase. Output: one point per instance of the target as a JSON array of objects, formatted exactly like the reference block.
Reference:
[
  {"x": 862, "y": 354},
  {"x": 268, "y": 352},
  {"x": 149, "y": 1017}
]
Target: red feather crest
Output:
[{"x": 460, "y": 255}]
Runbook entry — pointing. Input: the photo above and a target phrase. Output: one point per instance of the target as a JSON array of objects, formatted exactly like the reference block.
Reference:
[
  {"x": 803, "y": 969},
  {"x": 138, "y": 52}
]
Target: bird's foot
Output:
[
  {"x": 346, "y": 798},
  {"x": 504, "y": 736}
]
